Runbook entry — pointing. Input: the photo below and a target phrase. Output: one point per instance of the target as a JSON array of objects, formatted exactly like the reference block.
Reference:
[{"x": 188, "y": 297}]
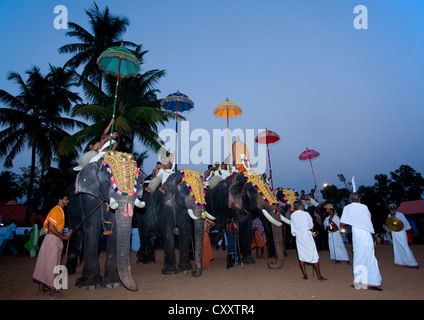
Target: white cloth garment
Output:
[
  {"x": 337, "y": 248},
  {"x": 166, "y": 173},
  {"x": 402, "y": 253},
  {"x": 365, "y": 265},
  {"x": 301, "y": 225},
  {"x": 358, "y": 215}
]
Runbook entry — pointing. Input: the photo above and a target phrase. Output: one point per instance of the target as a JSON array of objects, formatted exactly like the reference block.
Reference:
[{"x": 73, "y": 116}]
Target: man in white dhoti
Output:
[
  {"x": 301, "y": 225},
  {"x": 366, "y": 274},
  {"x": 337, "y": 248},
  {"x": 403, "y": 255}
]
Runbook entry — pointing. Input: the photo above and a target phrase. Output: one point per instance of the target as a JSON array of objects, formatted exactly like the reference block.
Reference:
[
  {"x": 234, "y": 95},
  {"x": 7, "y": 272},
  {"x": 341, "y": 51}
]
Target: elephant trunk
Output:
[
  {"x": 198, "y": 246},
  {"x": 123, "y": 229},
  {"x": 277, "y": 233}
]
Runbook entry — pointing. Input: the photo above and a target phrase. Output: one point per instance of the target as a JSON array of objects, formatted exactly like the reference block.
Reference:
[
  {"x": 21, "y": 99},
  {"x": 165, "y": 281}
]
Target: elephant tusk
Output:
[
  {"x": 113, "y": 204},
  {"x": 284, "y": 219},
  {"x": 209, "y": 216},
  {"x": 271, "y": 219},
  {"x": 140, "y": 204},
  {"x": 191, "y": 214}
]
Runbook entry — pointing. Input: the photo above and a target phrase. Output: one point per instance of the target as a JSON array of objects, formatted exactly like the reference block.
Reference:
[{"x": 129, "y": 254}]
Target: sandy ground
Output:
[{"x": 248, "y": 282}]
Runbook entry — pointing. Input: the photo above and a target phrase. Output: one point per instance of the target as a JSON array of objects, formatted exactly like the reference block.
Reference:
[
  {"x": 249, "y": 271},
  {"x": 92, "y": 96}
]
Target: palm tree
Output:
[
  {"x": 34, "y": 117},
  {"x": 138, "y": 112},
  {"x": 106, "y": 31}
]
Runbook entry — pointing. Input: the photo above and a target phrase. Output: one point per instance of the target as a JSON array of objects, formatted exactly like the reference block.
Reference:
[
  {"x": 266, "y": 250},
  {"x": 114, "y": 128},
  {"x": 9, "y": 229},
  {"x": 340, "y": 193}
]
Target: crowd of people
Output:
[{"x": 313, "y": 228}]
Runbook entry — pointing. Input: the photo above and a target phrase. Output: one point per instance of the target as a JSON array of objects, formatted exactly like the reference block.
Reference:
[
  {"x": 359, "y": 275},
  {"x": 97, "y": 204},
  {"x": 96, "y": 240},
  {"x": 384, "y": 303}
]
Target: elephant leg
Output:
[
  {"x": 110, "y": 275},
  {"x": 72, "y": 258},
  {"x": 245, "y": 240},
  {"x": 169, "y": 263},
  {"x": 146, "y": 231},
  {"x": 184, "y": 242},
  {"x": 92, "y": 228},
  {"x": 166, "y": 222}
]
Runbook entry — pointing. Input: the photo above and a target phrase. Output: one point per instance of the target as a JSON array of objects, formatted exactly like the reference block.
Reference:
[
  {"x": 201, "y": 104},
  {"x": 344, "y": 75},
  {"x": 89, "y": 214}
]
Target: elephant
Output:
[
  {"x": 180, "y": 202},
  {"x": 105, "y": 192},
  {"x": 243, "y": 195}
]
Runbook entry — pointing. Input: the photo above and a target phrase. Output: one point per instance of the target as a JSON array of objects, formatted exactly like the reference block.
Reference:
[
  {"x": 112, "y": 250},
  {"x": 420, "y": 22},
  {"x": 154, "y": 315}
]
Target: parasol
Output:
[
  {"x": 310, "y": 154},
  {"x": 227, "y": 109},
  {"x": 177, "y": 102},
  {"x": 119, "y": 62},
  {"x": 268, "y": 137}
]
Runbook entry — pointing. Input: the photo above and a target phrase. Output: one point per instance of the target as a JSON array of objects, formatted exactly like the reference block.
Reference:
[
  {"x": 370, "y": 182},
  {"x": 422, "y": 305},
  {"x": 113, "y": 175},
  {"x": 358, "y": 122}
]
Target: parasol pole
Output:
[
  {"x": 176, "y": 135},
  {"x": 114, "y": 104},
  {"x": 229, "y": 148},
  {"x": 313, "y": 173},
  {"x": 270, "y": 170}
]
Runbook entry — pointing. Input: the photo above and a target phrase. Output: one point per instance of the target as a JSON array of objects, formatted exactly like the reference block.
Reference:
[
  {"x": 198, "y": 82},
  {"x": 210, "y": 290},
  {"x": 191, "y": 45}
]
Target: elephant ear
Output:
[
  {"x": 94, "y": 181},
  {"x": 182, "y": 192},
  {"x": 87, "y": 180},
  {"x": 235, "y": 191},
  {"x": 234, "y": 197},
  {"x": 140, "y": 186}
]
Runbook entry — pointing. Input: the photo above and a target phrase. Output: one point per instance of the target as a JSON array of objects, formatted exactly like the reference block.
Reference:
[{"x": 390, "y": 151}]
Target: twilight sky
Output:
[{"x": 297, "y": 67}]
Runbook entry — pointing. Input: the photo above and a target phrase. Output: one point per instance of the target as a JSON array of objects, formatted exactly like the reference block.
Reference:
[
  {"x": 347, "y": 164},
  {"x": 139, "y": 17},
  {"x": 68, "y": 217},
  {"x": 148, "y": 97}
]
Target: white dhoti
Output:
[
  {"x": 306, "y": 249},
  {"x": 337, "y": 248},
  {"x": 402, "y": 253},
  {"x": 365, "y": 265}
]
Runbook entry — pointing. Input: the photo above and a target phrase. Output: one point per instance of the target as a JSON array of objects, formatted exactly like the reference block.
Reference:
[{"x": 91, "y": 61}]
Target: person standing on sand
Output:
[
  {"x": 403, "y": 255},
  {"x": 51, "y": 249},
  {"x": 301, "y": 225},
  {"x": 366, "y": 273}
]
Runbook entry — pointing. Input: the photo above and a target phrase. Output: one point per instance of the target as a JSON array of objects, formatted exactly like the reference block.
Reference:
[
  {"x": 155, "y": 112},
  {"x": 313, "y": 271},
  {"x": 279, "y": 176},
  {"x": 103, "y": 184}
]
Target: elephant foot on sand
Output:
[
  {"x": 113, "y": 285},
  {"x": 248, "y": 260},
  {"x": 146, "y": 257},
  {"x": 169, "y": 271},
  {"x": 89, "y": 284},
  {"x": 185, "y": 268}
]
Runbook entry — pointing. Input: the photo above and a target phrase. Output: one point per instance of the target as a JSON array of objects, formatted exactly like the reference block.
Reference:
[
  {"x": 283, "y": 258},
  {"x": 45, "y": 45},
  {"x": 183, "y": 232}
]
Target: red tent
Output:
[
  {"x": 15, "y": 211},
  {"x": 414, "y": 213},
  {"x": 412, "y": 207}
]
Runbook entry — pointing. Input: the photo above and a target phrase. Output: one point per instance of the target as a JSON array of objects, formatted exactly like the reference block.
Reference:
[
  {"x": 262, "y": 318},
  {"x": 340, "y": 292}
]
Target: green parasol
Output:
[{"x": 119, "y": 62}]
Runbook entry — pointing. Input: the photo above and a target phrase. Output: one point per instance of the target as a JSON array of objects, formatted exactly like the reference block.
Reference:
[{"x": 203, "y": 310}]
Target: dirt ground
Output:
[{"x": 247, "y": 282}]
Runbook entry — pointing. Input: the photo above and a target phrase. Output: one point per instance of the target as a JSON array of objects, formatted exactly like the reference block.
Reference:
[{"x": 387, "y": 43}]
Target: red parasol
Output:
[
  {"x": 267, "y": 137},
  {"x": 310, "y": 154}
]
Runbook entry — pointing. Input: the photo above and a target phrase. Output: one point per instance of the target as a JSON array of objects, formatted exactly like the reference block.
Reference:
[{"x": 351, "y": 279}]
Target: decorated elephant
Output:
[
  {"x": 173, "y": 207},
  {"x": 106, "y": 191},
  {"x": 244, "y": 195}
]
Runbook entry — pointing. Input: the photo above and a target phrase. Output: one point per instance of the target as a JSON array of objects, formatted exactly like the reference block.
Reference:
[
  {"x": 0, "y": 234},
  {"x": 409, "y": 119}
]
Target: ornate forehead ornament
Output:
[
  {"x": 123, "y": 172},
  {"x": 194, "y": 181},
  {"x": 261, "y": 186}
]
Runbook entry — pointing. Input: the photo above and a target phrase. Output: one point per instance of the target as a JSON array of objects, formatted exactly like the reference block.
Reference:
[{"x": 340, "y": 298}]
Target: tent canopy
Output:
[
  {"x": 412, "y": 207},
  {"x": 15, "y": 211}
]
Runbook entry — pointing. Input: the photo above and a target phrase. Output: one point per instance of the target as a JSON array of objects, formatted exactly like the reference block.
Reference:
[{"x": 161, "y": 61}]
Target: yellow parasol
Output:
[{"x": 228, "y": 110}]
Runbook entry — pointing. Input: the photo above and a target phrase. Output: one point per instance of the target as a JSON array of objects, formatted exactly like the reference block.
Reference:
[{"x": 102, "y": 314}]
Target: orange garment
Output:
[
  {"x": 259, "y": 240},
  {"x": 56, "y": 217},
  {"x": 207, "y": 255}
]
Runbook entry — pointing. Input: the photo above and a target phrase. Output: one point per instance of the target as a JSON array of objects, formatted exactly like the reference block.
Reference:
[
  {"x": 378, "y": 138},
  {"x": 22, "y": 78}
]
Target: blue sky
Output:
[{"x": 298, "y": 68}]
